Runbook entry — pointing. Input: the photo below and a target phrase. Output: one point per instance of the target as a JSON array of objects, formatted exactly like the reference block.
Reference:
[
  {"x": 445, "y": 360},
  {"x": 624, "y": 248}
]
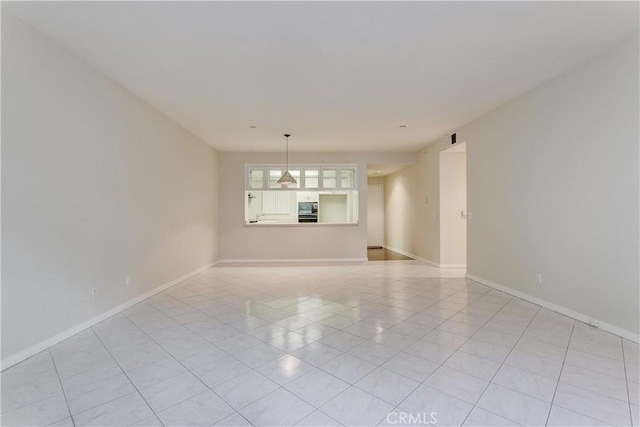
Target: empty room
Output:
[{"x": 320, "y": 213}]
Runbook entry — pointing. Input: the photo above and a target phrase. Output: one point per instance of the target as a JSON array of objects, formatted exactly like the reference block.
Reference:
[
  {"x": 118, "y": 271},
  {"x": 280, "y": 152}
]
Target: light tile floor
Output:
[{"x": 395, "y": 343}]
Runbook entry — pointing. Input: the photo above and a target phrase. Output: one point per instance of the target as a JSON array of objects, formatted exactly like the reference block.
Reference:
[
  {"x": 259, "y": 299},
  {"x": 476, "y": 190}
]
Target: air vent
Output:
[{"x": 453, "y": 138}]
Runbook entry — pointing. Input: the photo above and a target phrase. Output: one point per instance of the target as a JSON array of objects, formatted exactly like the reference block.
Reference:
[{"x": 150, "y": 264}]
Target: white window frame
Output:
[{"x": 301, "y": 182}]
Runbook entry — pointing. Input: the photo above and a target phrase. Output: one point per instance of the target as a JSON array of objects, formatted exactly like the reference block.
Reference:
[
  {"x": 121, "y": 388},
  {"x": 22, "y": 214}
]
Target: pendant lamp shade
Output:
[{"x": 286, "y": 177}]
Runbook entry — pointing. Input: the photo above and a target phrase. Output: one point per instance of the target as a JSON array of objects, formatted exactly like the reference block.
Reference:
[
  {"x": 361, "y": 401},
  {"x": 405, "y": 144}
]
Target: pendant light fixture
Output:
[{"x": 286, "y": 177}]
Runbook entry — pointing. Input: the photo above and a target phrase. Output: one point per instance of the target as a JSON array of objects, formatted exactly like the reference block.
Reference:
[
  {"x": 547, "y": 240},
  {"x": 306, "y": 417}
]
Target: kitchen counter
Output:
[{"x": 297, "y": 224}]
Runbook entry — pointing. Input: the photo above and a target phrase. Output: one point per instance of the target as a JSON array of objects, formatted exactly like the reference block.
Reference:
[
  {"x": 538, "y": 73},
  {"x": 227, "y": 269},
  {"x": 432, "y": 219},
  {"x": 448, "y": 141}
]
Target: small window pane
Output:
[
  {"x": 256, "y": 179},
  {"x": 311, "y": 178},
  {"x": 296, "y": 175},
  {"x": 348, "y": 178},
  {"x": 329, "y": 178},
  {"x": 274, "y": 176}
]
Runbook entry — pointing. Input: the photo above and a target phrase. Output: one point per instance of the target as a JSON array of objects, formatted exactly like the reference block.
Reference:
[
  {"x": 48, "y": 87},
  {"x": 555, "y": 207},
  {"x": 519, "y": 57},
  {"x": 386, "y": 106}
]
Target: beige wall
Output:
[
  {"x": 453, "y": 200},
  {"x": 376, "y": 180},
  {"x": 242, "y": 242},
  {"x": 412, "y": 210},
  {"x": 553, "y": 189},
  {"x": 96, "y": 186}
]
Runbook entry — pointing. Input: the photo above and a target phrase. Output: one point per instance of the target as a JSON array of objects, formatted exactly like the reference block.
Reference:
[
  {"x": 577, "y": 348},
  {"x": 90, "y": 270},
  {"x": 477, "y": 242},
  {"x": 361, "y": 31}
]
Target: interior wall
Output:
[
  {"x": 553, "y": 188},
  {"x": 96, "y": 186},
  {"x": 375, "y": 215},
  {"x": 241, "y": 242},
  {"x": 376, "y": 180},
  {"x": 373, "y": 231},
  {"x": 453, "y": 201},
  {"x": 412, "y": 209}
]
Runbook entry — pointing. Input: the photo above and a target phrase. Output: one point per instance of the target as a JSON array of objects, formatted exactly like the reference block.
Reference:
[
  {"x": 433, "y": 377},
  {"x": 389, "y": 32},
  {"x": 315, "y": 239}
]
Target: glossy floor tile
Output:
[{"x": 393, "y": 343}]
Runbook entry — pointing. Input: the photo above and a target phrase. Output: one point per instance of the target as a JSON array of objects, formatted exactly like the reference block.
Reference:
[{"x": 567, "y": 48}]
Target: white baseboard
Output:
[
  {"x": 426, "y": 261},
  {"x": 295, "y": 261},
  {"x": 558, "y": 309},
  {"x": 9, "y": 361}
]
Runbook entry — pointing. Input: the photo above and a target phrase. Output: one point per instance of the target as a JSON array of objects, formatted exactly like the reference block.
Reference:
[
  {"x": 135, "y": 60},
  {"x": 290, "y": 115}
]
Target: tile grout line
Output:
[
  {"x": 254, "y": 369},
  {"x": 433, "y": 329},
  {"x": 208, "y": 341},
  {"x": 128, "y": 378},
  {"x": 564, "y": 359},
  {"x": 328, "y": 290},
  {"x": 318, "y": 368},
  {"x": 171, "y": 356},
  {"x": 111, "y": 376},
  {"x": 626, "y": 379},
  {"x": 188, "y": 370},
  {"x": 53, "y": 360},
  {"x": 596, "y": 372},
  {"x": 315, "y": 367},
  {"x": 475, "y": 405},
  {"x": 443, "y": 321},
  {"x": 468, "y": 338},
  {"x": 378, "y": 366},
  {"x": 490, "y": 381}
]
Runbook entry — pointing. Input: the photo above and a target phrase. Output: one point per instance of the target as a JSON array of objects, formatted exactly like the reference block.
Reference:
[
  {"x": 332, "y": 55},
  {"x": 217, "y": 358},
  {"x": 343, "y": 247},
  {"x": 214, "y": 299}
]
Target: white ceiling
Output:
[{"x": 338, "y": 76}]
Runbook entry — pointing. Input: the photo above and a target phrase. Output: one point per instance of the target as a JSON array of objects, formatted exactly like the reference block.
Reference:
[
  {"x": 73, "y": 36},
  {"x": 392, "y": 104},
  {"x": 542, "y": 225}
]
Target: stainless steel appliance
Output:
[{"x": 307, "y": 211}]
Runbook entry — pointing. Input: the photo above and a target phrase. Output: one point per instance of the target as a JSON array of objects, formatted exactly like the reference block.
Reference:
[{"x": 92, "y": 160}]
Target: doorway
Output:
[
  {"x": 375, "y": 215},
  {"x": 453, "y": 206}
]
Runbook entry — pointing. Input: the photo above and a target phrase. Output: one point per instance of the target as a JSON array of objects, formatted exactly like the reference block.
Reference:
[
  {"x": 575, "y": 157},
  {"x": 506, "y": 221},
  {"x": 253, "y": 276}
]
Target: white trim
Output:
[
  {"x": 294, "y": 261},
  {"x": 558, "y": 309},
  {"x": 43, "y": 345},
  {"x": 426, "y": 261}
]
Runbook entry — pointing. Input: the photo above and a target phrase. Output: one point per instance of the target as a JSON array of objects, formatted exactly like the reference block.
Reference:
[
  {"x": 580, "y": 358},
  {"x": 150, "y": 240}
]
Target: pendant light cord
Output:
[
  {"x": 286, "y": 135},
  {"x": 286, "y": 177}
]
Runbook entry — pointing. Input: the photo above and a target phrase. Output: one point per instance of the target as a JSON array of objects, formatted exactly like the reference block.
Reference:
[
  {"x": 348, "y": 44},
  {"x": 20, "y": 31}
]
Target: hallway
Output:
[{"x": 384, "y": 254}]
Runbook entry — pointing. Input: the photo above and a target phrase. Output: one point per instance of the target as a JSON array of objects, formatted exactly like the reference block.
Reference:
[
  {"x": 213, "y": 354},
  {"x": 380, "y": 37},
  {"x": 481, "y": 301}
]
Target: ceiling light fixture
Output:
[{"x": 286, "y": 177}]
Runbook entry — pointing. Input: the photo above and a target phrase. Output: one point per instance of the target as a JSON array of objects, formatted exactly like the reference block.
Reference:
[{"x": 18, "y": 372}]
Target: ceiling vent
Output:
[{"x": 453, "y": 138}]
